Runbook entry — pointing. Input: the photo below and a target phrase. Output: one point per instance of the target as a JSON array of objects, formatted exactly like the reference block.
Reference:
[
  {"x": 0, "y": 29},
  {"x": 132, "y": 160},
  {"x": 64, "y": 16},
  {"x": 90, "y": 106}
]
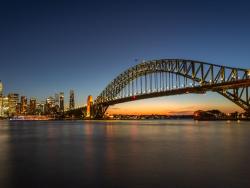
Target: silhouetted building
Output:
[
  {"x": 209, "y": 115},
  {"x": 61, "y": 98},
  {"x": 57, "y": 99},
  {"x": 71, "y": 100}
]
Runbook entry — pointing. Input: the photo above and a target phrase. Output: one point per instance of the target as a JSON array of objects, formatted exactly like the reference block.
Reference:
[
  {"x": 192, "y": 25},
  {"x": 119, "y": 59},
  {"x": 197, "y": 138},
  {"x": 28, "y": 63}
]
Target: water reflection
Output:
[
  {"x": 124, "y": 154},
  {"x": 5, "y": 168}
]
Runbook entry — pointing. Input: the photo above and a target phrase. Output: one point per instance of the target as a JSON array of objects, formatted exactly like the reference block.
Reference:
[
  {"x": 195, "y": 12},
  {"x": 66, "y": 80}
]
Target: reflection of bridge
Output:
[{"x": 173, "y": 77}]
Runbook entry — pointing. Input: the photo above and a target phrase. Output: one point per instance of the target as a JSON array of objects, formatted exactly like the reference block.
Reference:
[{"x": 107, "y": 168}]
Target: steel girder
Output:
[{"x": 232, "y": 83}]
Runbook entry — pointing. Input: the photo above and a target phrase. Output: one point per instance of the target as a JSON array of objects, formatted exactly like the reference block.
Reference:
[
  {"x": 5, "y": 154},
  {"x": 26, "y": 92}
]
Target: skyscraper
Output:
[
  {"x": 61, "y": 98},
  {"x": 56, "y": 99},
  {"x": 1, "y": 98},
  {"x": 18, "y": 108},
  {"x": 50, "y": 104},
  {"x": 71, "y": 100},
  {"x": 24, "y": 105},
  {"x": 32, "y": 108},
  {"x": 4, "y": 102},
  {"x": 1, "y": 88},
  {"x": 13, "y": 99},
  {"x": 41, "y": 107}
]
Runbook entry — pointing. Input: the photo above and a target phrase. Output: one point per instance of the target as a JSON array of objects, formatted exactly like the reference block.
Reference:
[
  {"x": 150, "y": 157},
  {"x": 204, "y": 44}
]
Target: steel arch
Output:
[{"x": 232, "y": 83}]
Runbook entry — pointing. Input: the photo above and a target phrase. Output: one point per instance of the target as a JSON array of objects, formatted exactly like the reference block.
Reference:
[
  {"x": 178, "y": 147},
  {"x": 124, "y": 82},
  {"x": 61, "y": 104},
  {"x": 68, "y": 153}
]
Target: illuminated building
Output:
[
  {"x": 13, "y": 99},
  {"x": 50, "y": 104},
  {"x": 4, "y": 106},
  {"x": 1, "y": 98},
  {"x": 61, "y": 98},
  {"x": 1, "y": 88},
  {"x": 18, "y": 108},
  {"x": 50, "y": 101},
  {"x": 32, "y": 108},
  {"x": 57, "y": 104},
  {"x": 24, "y": 105},
  {"x": 40, "y": 107},
  {"x": 71, "y": 100},
  {"x": 89, "y": 106},
  {"x": 57, "y": 99}
]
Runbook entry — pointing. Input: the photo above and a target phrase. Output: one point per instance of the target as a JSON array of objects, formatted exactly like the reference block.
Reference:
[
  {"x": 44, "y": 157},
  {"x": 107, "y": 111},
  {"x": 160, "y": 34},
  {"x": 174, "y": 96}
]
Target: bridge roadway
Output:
[
  {"x": 166, "y": 77},
  {"x": 200, "y": 89}
]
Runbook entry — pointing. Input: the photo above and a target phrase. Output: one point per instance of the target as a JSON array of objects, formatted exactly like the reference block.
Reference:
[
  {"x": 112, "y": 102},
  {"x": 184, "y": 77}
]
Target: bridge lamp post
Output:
[{"x": 248, "y": 73}]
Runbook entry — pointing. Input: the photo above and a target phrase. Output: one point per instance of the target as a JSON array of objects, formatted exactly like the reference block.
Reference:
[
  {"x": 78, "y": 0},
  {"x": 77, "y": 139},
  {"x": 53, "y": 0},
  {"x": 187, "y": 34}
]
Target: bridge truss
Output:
[{"x": 173, "y": 77}]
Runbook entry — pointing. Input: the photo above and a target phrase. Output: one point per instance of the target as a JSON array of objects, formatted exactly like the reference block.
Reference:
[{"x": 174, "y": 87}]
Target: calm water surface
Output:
[{"x": 124, "y": 154}]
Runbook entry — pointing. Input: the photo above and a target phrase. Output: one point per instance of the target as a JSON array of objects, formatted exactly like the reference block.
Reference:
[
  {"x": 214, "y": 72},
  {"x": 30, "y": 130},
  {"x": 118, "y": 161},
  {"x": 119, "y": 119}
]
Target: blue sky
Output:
[{"x": 52, "y": 46}]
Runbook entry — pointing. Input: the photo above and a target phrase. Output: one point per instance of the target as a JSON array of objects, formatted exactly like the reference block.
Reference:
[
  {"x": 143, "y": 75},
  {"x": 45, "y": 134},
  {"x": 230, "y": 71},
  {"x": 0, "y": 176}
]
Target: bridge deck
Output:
[{"x": 196, "y": 89}]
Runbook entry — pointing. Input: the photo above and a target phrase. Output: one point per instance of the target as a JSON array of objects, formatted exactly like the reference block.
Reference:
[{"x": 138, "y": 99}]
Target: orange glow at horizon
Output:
[{"x": 174, "y": 105}]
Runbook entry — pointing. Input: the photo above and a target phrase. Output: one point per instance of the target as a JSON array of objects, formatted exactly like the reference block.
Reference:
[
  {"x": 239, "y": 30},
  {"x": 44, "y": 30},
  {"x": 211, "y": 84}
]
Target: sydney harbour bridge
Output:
[{"x": 167, "y": 77}]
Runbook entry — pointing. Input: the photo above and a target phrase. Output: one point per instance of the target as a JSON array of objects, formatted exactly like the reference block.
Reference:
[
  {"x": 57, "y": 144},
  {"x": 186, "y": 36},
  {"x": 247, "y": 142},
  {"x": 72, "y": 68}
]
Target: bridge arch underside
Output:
[{"x": 174, "y": 77}]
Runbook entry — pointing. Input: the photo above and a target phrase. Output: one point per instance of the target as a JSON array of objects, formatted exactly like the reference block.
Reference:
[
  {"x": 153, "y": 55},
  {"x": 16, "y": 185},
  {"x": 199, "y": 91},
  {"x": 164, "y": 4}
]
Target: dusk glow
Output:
[
  {"x": 124, "y": 93},
  {"x": 54, "y": 46}
]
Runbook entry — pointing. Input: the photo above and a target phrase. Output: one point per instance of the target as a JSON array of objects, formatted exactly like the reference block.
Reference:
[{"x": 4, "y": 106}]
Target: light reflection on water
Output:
[{"x": 172, "y": 153}]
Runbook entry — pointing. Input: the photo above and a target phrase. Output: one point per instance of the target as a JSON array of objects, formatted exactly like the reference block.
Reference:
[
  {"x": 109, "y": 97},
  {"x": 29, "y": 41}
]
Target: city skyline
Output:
[{"x": 53, "y": 46}]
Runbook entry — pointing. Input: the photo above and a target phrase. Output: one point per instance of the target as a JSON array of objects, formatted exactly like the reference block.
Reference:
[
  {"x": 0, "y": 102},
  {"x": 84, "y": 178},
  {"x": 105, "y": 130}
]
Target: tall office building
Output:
[
  {"x": 61, "y": 98},
  {"x": 24, "y": 105},
  {"x": 40, "y": 107},
  {"x": 13, "y": 99},
  {"x": 71, "y": 100},
  {"x": 18, "y": 108},
  {"x": 4, "y": 106},
  {"x": 32, "y": 108},
  {"x": 1, "y": 98},
  {"x": 50, "y": 101},
  {"x": 1, "y": 88},
  {"x": 57, "y": 99},
  {"x": 50, "y": 104}
]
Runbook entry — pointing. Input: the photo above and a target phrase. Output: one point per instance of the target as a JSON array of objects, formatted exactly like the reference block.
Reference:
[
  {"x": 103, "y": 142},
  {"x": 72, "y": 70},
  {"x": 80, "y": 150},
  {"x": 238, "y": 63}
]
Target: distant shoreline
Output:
[{"x": 16, "y": 120}]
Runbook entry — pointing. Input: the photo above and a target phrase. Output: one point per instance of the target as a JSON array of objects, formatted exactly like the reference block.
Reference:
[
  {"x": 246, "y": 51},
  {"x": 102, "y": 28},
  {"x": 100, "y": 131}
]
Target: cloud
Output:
[
  {"x": 181, "y": 112},
  {"x": 114, "y": 108}
]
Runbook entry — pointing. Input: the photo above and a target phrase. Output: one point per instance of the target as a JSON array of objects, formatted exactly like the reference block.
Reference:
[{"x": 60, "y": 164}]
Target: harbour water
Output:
[{"x": 168, "y": 153}]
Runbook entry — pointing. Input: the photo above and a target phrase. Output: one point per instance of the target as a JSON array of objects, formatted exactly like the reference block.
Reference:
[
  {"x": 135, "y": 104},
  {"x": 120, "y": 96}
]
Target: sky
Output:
[{"x": 54, "y": 45}]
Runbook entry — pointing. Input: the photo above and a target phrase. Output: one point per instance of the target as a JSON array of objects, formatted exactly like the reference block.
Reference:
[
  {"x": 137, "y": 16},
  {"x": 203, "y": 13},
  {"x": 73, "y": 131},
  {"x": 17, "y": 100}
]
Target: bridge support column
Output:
[{"x": 99, "y": 111}]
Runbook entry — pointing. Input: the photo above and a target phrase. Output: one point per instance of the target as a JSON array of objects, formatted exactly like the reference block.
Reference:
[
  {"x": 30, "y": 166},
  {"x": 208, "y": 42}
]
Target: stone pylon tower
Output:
[{"x": 89, "y": 107}]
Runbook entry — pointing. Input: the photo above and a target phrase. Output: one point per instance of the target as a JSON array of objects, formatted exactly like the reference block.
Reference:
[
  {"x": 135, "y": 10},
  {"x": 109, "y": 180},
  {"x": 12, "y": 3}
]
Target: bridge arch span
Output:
[{"x": 166, "y": 77}]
